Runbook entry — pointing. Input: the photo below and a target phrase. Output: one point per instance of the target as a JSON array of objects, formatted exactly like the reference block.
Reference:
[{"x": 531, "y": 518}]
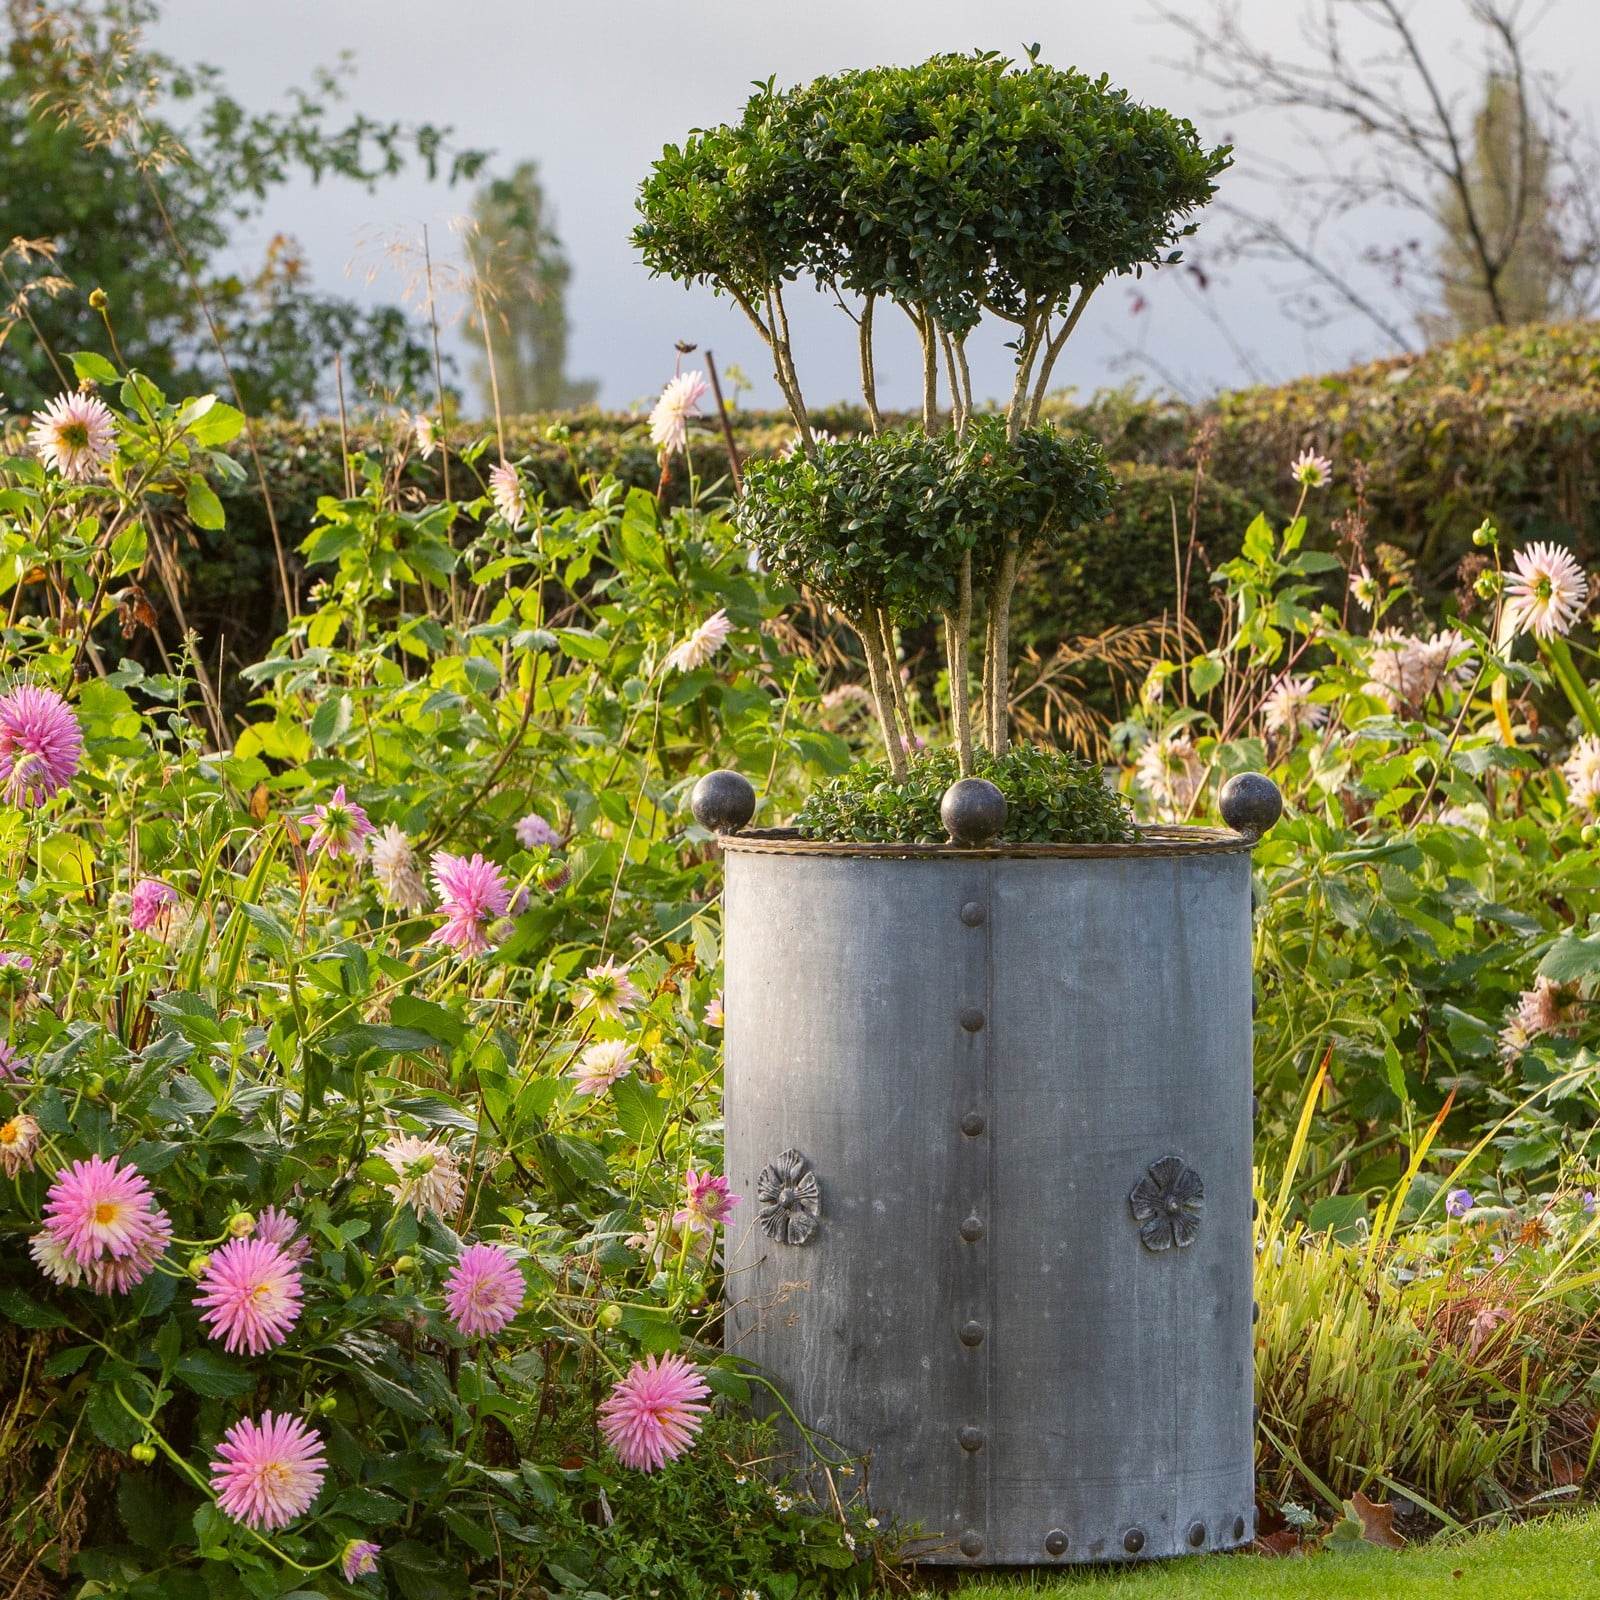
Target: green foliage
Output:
[
  {"x": 1054, "y": 797},
  {"x": 885, "y": 522}
]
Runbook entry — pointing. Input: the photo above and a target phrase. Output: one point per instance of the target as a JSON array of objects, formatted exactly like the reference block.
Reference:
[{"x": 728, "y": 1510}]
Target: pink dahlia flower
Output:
[
  {"x": 706, "y": 1202},
  {"x": 276, "y": 1226},
  {"x": 698, "y": 647},
  {"x": 473, "y": 895},
  {"x": 341, "y": 825},
  {"x": 123, "y": 1274},
  {"x": 41, "y": 744},
  {"x": 53, "y": 1261},
  {"x": 505, "y": 489},
  {"x": 100, "y": 1210},
  {"x": 249, "y": 1295},
  {"x": 714, "y": 1016},
  {"x": 1545, "y": 595},
  {"x": 152, "y": 902},
  {"x": 533, "y": 831},
  {"x": 653, "y": 1414},
  {"x": 267, "y": 1473},
  {"x": 13, "y": 1064},
  {"x": 609, "y": 990},
  {"x": 75, "y": 434},
  {"x": 360, "y": 1556},
  {"x": 1311, "y": 471},
  {"x": 680, "y": 400},
  {"x": 484, "y": 1291},
  {"x": 601, "y": 1065},
  {"x": 19, "y": 1138}
]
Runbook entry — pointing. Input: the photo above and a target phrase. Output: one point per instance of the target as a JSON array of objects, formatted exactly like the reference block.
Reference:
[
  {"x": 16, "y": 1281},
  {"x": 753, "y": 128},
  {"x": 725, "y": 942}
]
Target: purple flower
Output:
[
  {"x": 1458, "y": 1202},
  {"x": 706, "y": 1202},
  {"x": 473, "y": 894},
  {"x": 484, "y": 1291},
  {"x": 152, "y": 900},
  {"x": 251, "y": 1295},
  {"x": 41, "y": 744},
  {"x": 360, "y": 1556},
  {"x": 533, "y": 831}
]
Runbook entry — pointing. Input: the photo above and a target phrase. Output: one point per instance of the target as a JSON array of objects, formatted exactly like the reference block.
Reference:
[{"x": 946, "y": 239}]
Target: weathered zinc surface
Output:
[{"x": 993, "y": 1117}]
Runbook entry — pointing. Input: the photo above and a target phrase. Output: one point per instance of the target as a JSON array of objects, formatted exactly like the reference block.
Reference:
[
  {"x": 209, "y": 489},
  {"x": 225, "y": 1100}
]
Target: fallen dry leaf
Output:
[
  {"x": 1377, "y": 1522},
  {"x": 1285, "y": 1542}
]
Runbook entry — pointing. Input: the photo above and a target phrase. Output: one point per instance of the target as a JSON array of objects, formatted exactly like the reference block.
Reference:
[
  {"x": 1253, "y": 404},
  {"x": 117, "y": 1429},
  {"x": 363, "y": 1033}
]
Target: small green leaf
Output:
[
  {"x": 330, "y": 726},
  {"x": 204, "y": 509},
  {"x": 92, "y": 368}
]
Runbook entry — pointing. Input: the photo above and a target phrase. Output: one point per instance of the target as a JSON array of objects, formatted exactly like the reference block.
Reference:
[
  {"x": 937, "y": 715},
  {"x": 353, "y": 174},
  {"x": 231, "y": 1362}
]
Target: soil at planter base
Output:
[{"x": 993, "y": 1108}]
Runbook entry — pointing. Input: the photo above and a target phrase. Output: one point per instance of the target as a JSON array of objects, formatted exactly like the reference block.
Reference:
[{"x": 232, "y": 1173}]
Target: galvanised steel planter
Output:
[{"x": 991, "y": 1113}]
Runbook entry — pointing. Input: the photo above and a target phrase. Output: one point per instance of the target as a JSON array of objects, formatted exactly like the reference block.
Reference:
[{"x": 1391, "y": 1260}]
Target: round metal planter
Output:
[{"x": 990, "y": 1111}]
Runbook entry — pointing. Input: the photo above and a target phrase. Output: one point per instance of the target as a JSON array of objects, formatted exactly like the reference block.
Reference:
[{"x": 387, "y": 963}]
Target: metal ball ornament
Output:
[
  {"x": 723, "y": 802},
  {"x": 973, "y": 811},
  {"x": 1250, "y": 803}
]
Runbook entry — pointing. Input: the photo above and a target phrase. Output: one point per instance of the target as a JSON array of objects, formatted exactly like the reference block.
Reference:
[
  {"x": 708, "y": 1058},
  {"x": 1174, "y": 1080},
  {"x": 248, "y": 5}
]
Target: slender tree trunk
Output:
[
  {"x": 988, "y": 673},
  {"x": 869, "y": 369},
  {"x": 957, "y": 630},
  {"x": 1005, "y": 580},
  {"x": 882, "y": 693},
  {"x": 896, "y": 683}
]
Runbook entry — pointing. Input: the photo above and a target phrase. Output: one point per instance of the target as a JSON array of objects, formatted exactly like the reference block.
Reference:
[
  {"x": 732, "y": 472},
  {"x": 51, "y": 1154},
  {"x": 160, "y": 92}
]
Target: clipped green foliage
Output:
[
  {"x": 885, "y": 522},
  {"x": 1054, "y": 796}
]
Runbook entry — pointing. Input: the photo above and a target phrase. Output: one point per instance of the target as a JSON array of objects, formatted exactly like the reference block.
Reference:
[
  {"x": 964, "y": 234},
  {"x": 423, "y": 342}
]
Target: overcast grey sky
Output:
[{"x": 592, "y": 89}]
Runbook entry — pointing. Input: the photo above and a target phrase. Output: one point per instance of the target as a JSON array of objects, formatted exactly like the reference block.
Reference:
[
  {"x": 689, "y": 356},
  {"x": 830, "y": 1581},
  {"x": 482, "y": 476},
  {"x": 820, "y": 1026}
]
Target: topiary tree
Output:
[{"x": 966, "y": 188}]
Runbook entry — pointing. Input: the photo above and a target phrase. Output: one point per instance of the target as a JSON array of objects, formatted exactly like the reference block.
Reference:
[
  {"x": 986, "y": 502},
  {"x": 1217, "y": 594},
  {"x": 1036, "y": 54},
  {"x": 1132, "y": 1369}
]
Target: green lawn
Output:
[{"x": 1554, "y": 1559}]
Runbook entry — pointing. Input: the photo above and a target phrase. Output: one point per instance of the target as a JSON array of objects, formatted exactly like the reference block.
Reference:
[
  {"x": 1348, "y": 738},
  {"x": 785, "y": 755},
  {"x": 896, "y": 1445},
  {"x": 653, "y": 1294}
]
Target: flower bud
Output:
[
  {"x": 241, "y": 1225},
  {"x": 1485, "y": 534},
  {"x": 1591, "y": 833},
  {"x": 94, "y": 1086},
  {"x": 403, "y": 1265},
  {"x": 97, "y": 302},
  {"x": 143, "y": 1453},
  {"x": 558, "y": 433},
  {"x": 327, "y": 1405},
  {"x": 198, "y": 1263},
  {"x": 1486, "y": 585},
  {"x": 610, "y": 1315}
]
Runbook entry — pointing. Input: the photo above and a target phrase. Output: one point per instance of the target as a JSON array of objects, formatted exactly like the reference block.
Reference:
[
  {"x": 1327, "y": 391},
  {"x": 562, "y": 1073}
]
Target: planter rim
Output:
[{"x": 1153, "y": 842}]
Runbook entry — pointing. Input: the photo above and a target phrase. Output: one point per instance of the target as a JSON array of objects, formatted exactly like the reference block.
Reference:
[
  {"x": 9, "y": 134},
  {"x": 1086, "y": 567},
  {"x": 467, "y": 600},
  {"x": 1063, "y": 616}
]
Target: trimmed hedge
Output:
[{"x": 1504, "y": 423}]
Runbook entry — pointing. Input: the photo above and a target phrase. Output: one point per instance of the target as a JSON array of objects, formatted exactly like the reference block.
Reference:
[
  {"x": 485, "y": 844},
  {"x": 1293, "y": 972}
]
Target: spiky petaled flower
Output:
[
  {"x": 151, "y": 903},
  {"x": 1311, "y": 471},
  {"x": 1581, "y": 769},
  {"x": 533, "y": 833},
  {"x": 13, "y": 1064},
  {"x": 275, "y": 1226},
  {"x": 473, "y": 896},
  {"x": 680, "y": 400},
  {"x": 794, "y": 444},
  {"x": 122, "y": 1274},
  {"x": 427, "y": 1175},
  {"x": 341, "y": 825},
  {"x": 608, "y": 990},
  {"x": 484, "y": 1290},
  {"x": 394, "y": 865},
  {"x": 75, "y": 434},
  {"x": 1407, "y": 670},
  {"x": 707, "y": 1203},
  {"x": 505, "y": 489},
  {"x": 19, "y": 1138},
  {"x": 1169, "y": 770},
  {"x": 267, "y": 1473},
  {"x": 601, "y": 1065},
  {"x": 1547, "y": 1008},
  {"x": 1364, "y": 588},
  {"x": 655, "y": 1412},
  {"x": 41, "y": 744},
  {"x": 1289, "y": 707},
  {"x": 1545, "y": 595},
  {"x": 53, "y": 1261},
  {"x": 358, "y": 1558},
  {"x": 423, "y": 434},
  {"x": 714, "y": 1016},
  {"x": 99, "y": 1210},
  {"x": 699, "y": 647},
  {"x": 249, "y": 1296}
]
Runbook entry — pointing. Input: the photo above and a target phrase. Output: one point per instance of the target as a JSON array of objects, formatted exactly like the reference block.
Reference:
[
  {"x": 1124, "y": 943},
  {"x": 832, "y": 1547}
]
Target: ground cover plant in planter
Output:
[{"x": 992, "y": 1096}]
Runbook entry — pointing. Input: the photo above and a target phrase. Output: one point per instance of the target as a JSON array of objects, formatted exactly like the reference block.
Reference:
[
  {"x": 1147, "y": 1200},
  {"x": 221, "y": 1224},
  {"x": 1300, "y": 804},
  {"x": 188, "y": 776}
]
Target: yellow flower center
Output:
[
  {"x": 75, "y": 435},
  {"x": 107, "y": 1212},
  {"x": 10, "y": 1132}
]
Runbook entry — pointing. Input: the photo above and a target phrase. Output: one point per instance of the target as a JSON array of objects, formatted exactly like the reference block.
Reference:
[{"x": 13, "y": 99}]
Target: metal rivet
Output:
[
  {"x": 970, "y": 1438},
  {"x": 1255, "y": 1312},
  {"x": 972, "y": 1124},
  {"x": 1133, "y": 1541},
  {"x": 1255, "y": 1416},
  {"x": 1255, "y": 1208},
  {"x": 971, "y": 1334},
  {"x": 1238, "y": 1527},
  {"x": 1197, "y": 1535},
  {"x": 971, "y": 1019},
  {"x": 972, "y": 1545},
  {"x": 973, "y": 914},
  {"x": 972, "y": 1229},
  {"x": 1055, "y": 1543}
]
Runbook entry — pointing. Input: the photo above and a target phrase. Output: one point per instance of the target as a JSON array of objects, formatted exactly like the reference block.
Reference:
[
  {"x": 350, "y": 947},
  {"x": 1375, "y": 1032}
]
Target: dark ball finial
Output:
[
  {"x": 1250, "y": 803},
  {"x": 973, "y": 811},
  {"x": 723, "y": 802}
]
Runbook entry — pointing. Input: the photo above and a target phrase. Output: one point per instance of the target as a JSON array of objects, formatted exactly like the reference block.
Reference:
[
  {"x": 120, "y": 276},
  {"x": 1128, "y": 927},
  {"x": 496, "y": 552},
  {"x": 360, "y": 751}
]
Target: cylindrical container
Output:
[{"x": 991, "y": 1113}]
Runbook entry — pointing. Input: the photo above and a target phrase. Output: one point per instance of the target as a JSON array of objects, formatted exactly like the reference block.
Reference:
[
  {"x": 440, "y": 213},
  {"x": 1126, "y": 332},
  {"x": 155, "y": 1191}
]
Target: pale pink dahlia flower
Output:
[
  {"x": 1169, "y": 770},
  {"x": 424, "y": 434},
  {"x": 1545, "y": 595},
  {"x": 699, "y": 647},
  {"x": 1364, "y": 588},
  {"x": 267, "y": 1473},
  {"x": 41, "y": 744},
  {"x": 19, "y": 1138},
  {"x": 75, "y": 434},
  {"x": 152, "y": 901},
  {"x": 1289, "y": 707},
  {"x": 680, "y": 400},
  {"x": 533, "y": 831},
  {"x": 714, "y": 1016},
  {"x": 428, "y": 1176},
  {"x": 706, "y": 1202},
  {"x": 360, "y": 1556},
  {"x": 505, "y": 489},
  {"x": 608, "y": 990},
  {"x": 1581, "y": 769},
  {"x": 655, "y": 1412},
  {"x": 249, "y": 1295},
  {"x": 276, "y": 1226},
  {"x": 485, "y": 1289},
  {"x": 103, "y": 1215},
  {"x": 1311, "y": 471},
  {"x": 1547, "y": 1008},
  {"x": 13, "y": 1064},
  {"x": 473, "y": 895},
  {"x": 53, "y": 1261},
  {"x": 601, "y": 1065},
  {"x": 394, "y": 865},
  {"x": 341, "y": 825}
]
